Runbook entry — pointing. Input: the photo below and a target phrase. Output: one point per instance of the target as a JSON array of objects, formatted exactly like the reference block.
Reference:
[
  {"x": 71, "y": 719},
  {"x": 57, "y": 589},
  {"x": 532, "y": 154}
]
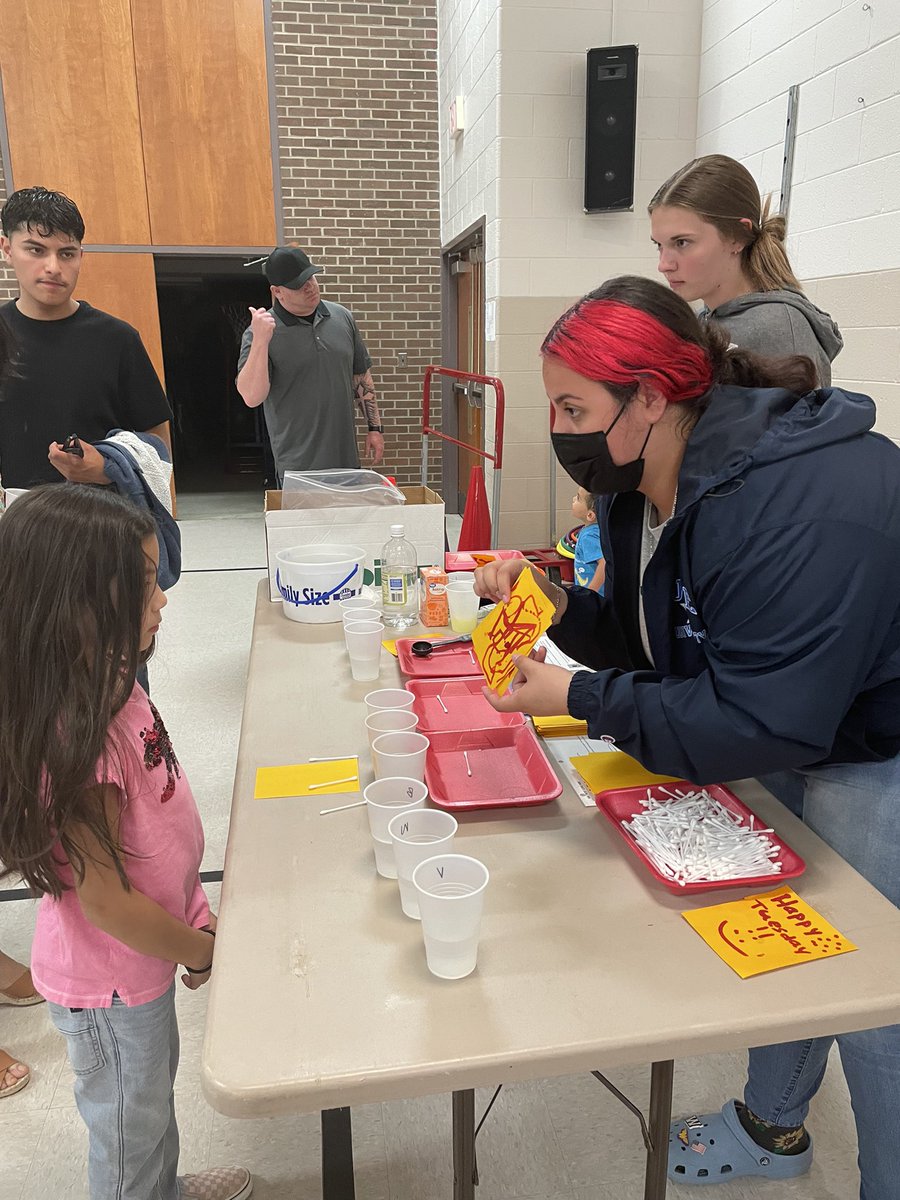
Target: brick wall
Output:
[
  {"x": 356, "y": 90},
  {"x": 356, "y": 86}
]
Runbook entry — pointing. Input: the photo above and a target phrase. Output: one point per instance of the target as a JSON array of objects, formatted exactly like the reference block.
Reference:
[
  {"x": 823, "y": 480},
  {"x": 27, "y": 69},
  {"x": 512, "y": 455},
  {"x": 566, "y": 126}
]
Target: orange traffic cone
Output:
[{"x": 475, "y": 533}]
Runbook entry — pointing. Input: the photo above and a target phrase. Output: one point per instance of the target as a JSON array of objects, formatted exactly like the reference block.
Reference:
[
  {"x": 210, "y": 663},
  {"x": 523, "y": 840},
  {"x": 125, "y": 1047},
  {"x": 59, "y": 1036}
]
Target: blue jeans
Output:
[
  {"x": 855, "y": 809},
  {"x": 125, "y": 1061}
]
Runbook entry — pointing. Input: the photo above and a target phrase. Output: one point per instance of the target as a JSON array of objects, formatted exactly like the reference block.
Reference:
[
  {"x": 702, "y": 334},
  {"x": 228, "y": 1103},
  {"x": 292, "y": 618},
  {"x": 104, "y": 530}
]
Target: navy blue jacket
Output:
[
  {"x": 772, "y": 602},
  {"x": 124, "y": 475}
]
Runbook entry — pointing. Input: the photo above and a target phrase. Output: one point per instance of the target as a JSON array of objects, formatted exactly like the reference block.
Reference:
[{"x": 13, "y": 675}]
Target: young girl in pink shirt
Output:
[{"x": 97, "y": 815}]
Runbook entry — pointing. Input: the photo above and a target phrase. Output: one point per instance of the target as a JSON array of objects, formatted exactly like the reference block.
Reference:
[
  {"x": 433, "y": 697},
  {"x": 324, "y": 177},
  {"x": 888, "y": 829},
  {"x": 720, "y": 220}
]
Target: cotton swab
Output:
[
  {"x": 341, "y": 808},
  {"x": 441, "y": 703},
  {"x": 332, "y": 782},
  {"x": 692, "y": 838},
  {"x": 466, "y": 757}
]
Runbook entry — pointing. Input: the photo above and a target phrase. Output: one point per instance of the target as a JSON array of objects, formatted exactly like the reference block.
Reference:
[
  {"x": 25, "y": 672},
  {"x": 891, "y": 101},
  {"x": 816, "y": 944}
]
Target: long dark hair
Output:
[
  {"x": 73, "y": 590},
  {"x": 632, "y": 330}
]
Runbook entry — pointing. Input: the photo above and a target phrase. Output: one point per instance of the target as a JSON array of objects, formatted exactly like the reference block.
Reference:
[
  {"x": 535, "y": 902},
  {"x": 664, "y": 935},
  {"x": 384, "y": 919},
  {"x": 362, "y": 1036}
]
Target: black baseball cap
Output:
[{"x": 290, "y": 268}]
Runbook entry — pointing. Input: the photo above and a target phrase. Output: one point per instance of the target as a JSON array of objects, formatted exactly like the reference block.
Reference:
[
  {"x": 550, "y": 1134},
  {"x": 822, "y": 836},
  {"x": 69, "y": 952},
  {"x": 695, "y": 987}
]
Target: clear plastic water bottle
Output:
[{"x": 399, "y": 575}]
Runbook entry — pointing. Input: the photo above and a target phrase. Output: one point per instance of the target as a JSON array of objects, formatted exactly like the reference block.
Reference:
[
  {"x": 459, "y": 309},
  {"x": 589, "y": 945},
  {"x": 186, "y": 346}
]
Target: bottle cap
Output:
[{"x": 396, "y": 531}]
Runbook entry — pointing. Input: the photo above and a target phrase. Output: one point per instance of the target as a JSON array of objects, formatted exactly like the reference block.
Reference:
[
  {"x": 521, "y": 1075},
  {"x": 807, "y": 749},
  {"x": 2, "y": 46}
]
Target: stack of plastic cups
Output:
[
  {"x": 363, "y": 639},
  {"x": 385, "y": 798}
]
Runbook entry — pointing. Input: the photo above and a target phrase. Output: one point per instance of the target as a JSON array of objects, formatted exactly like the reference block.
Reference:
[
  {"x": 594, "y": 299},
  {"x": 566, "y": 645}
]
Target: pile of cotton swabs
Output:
[{"x": 692, "y": 838}]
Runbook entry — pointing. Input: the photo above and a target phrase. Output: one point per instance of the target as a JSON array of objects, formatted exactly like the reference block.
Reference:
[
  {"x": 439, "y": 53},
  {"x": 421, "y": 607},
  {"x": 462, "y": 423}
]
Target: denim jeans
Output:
[
  {"x": 855, "y": 808},
  {"x": 125, "y": 1061}
]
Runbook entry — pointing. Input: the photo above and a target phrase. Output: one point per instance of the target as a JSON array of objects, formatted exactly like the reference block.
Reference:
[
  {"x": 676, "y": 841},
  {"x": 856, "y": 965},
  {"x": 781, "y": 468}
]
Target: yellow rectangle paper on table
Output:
[
  {"x": 605, "y": 770},
  {"x": 766, "y": 932},
  {"x": 511, "y": 628},
  {"x": 273, "y": 783},
  {"x": 559, "y": 726},
  {"x": 391, "y": 646}
]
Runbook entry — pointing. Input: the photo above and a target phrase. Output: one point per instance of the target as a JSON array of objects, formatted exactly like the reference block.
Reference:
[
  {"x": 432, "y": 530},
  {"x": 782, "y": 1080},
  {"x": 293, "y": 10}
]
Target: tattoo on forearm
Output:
[{"x": 364, "y": 387}]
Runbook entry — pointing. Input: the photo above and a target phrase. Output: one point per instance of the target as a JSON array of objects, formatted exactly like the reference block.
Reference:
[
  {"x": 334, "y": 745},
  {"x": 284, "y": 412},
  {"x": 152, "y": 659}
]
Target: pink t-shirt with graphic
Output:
[{"x": 72, "y": 961}]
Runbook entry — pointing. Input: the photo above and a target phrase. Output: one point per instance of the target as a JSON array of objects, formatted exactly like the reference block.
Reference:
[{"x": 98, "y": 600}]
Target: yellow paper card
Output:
[
  {"x": 391, "y": 647},
  {"x": 606, "y": 770},
  {"x": 275, "y": 782},
  {"x": 766, "y": 932},
  {"x": 511, "y": 628},
  {"x": 559, "y": 726}
]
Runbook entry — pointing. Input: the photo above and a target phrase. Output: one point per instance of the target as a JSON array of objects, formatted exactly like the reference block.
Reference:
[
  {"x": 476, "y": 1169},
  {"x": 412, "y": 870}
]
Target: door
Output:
[{"x": 467, "y": 273}]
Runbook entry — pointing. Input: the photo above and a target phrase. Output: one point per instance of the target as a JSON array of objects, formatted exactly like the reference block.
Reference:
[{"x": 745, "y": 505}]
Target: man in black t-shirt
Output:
[{"x": 75, "y": 370}]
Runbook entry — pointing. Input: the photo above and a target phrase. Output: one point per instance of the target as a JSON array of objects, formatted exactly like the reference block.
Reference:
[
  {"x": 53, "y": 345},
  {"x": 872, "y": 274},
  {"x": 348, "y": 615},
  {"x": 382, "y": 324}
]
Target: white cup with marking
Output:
[
  {"x": 450, "y": 889},
  {"x": 418, "y": 834},
  {"x": 385, "y": 798}
]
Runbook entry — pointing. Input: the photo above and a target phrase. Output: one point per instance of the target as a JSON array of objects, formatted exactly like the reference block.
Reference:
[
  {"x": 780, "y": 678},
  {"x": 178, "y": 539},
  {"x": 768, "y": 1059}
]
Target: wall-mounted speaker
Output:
[{"x": 610, "y": 121}]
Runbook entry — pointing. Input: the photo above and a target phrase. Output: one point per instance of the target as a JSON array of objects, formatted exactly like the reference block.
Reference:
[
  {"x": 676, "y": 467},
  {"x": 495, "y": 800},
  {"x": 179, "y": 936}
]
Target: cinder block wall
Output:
[{"x": 844, "y": 221}]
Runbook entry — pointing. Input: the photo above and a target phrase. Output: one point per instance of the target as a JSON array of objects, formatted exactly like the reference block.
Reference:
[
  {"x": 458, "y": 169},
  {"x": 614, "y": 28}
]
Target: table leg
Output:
[
  {"x": 337, "y": 1155},
  {"x": 464, "y": 1145},
  {"x": 661, "y": 1076}
]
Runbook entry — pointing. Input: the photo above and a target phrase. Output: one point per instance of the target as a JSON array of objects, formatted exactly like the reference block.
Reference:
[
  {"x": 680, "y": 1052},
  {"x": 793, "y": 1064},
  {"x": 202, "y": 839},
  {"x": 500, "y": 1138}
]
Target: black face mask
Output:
[{"x": 587, "y": 460}]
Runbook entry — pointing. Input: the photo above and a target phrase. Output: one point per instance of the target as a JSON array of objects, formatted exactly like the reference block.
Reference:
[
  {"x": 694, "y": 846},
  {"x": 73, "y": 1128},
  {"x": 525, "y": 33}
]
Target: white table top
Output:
[{"x": 321, "y": 997}]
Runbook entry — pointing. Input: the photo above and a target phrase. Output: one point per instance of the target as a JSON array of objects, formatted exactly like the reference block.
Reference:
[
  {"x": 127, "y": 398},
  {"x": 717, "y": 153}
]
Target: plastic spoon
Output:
[{"x": 423, "y": 649}]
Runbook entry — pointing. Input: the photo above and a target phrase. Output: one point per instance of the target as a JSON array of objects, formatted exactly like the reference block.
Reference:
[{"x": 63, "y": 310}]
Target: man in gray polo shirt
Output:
[{"x": 305, "y": 360}]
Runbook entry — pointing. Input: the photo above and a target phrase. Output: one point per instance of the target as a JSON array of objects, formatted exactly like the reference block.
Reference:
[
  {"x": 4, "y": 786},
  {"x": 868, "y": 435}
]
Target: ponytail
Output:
[{"x": 765, "y": 259}]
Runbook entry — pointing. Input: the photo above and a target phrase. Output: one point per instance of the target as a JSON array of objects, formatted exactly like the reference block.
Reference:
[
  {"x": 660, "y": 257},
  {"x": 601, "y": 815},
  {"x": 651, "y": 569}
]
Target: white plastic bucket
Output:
[{"x": 313, "y": 580}]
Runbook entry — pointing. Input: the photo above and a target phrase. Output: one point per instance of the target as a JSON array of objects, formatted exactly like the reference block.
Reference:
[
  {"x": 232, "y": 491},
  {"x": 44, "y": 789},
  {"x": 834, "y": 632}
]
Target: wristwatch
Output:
[{"x": 376, "y": 429}]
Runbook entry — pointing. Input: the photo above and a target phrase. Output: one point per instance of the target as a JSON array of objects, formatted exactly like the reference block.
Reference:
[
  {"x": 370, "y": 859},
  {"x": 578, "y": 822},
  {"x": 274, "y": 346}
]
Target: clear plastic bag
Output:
[{"x": 338, "y": 489}]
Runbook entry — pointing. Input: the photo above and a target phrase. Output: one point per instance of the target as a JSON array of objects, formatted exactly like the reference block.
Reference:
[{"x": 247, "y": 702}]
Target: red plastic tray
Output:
[
  {"x": 464, "y": 560},
  {"x": 620, "y": 804},
  {"x": 508, "y": 767},
  {"x": 466, "y": 707},
  {"x": 454, "y": 660}
]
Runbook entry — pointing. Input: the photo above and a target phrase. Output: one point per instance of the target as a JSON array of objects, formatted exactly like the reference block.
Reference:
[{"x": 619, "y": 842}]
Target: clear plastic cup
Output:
[
  {"x": 384, "y": 858},
  {"x": 360, "y": 616},
  {"x": 385, "y": 798},
  {"x": 364, "y": 647},
  {"x": 463, "y": 603},
  {"x": 390, "y": 720},
  {"x": 400, "y": 754},
  {"x": 388, "y": 698},
  {"x": 418, "y": 834},
  {"x": 450, "y": 888},
  {"x": 362, "y": 601}
]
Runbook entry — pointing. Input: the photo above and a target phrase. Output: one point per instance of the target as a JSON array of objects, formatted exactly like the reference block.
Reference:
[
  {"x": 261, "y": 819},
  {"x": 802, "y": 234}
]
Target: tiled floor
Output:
[{"x": 560, "y": 1139}]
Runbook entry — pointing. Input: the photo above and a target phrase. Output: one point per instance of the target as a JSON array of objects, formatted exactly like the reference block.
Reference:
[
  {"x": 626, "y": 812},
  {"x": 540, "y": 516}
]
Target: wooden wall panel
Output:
[
  {"x": 201, "y": 72},
  {"x": 125, "y": 286},
  {"x": 70, "y": 95}
]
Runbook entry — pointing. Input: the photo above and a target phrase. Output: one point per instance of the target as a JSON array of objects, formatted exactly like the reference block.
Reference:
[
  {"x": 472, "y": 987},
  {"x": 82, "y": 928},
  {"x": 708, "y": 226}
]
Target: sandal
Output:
[
  {"x": 32, "y": 997},
  {"x": 717, "y": 1148},
  {"x": 8, "y": 1071}
]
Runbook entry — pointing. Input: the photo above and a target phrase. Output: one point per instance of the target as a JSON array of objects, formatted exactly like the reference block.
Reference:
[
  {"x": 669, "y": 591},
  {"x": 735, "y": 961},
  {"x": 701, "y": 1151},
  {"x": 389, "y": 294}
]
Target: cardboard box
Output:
[{"x": 368, "y": 526}]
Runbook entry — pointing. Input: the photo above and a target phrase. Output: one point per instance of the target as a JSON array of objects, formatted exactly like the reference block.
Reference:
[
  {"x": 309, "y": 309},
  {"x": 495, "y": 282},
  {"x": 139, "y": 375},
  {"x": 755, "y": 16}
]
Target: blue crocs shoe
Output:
[{"x": 717, "y": 1148}]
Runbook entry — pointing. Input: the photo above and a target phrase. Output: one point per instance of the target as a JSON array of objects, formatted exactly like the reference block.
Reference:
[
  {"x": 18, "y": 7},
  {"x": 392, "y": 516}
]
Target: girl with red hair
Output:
[{"x": 751, "y": 624}]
